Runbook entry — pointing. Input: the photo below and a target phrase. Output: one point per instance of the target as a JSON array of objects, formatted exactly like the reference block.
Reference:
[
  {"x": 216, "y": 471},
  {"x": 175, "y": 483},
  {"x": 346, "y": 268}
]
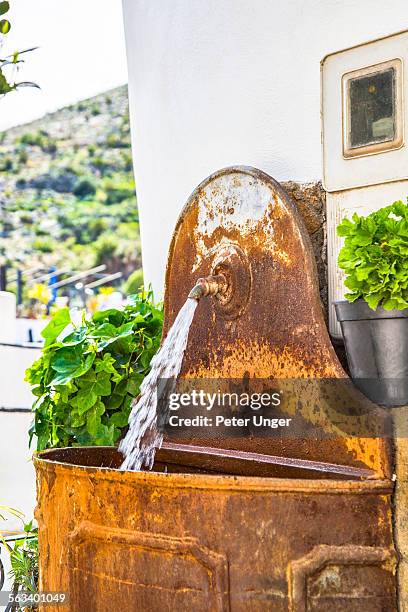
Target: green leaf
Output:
[
  {"x": 361, "y": 238},
  {"x": 119, "y": 419},
  {"x": 93, "y": 418},
  {"x": 71, "y": 362},
  {"x": 352, "y": 297},
  {"x": 374, "y": 299},
  {"x": 106, "y": 364},
  {"x": 77, "y": 337},
  {"x": 106, "y": 330},
  {"x": 56, "y": 326},
  {"x": 5, "y": 86},
  {"x": 66, "y": 360},
  {"x": 102, "y": 384},
  {"x": 110, "y": 334},
  {"x": 84, "y": 400},
  {"x": 133, "y": 383},
  {"x": 65, "y": 390},
  {"x": 114, "y": 401},
  {"x": 5, "y": 26},
  {"x": 363, "y": 272},
  {"x": 106, "y": 435},
  {"x": 111, "y": 315},
  {"x": 90, "y": 389},
  {"x": 345, "y": 228},
  {"x": 77, "y": 419},
  {"x": 4, "y": 7}
]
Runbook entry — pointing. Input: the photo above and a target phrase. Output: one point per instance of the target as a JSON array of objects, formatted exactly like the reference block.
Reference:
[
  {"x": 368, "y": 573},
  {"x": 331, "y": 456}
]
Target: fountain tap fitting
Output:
[{"x": 210, "y": 285}]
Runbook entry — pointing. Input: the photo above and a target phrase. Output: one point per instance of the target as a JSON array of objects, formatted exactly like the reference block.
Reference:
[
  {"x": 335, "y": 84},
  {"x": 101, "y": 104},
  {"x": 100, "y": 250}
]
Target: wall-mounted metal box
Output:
[{"x": 364, "y": 119}]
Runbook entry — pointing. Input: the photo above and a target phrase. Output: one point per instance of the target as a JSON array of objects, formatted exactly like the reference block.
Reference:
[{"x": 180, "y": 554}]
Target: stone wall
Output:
[{"x": 310, "y": 199}]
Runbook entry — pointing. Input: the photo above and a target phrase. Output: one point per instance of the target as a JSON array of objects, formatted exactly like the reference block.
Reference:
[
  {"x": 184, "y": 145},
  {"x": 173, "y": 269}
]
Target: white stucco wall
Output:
[
  {"x": 14, "y": 391},
  {"x": 220, "y": 82}
]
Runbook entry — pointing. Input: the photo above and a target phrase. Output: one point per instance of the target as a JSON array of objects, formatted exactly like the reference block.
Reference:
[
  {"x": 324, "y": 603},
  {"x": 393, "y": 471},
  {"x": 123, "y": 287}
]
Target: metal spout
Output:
[{"x": 210, "y": 285}]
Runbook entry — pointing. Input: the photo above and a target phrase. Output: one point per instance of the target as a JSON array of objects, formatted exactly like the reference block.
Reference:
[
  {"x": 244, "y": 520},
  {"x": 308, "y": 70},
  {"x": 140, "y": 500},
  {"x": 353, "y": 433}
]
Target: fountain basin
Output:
[{"x": 299, "y": 537}]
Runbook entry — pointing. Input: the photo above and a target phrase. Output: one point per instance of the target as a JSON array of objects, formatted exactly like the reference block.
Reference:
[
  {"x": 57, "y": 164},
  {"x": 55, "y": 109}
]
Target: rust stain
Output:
[
  {"x": 281, "y": 332},
  {"x": 235, "y": 524},
  {"x": 192, "y": 540}
]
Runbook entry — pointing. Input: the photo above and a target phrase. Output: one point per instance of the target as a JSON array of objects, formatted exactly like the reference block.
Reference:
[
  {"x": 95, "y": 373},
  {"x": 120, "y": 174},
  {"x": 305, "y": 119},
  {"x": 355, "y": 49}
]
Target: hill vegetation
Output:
[{"x": 67, "y": 192}]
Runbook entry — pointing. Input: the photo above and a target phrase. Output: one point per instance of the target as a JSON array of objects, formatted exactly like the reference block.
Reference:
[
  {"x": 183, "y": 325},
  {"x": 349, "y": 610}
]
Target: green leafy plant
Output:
[
  {"x": 33, "y": 140},
  {"x": 134, "y": 282},
  {"x": 23, "y": 552},
  {"x": 11, "y": 61},
  {"x": 85, "y": 382},
  {"x": 375, "y": 257},
  {"x": 24, "y": 559}
]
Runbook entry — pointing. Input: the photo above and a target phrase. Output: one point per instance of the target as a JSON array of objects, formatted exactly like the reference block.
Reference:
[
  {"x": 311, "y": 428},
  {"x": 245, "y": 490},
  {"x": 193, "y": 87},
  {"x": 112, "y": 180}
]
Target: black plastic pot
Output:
[{"x": 376, "y": 343}]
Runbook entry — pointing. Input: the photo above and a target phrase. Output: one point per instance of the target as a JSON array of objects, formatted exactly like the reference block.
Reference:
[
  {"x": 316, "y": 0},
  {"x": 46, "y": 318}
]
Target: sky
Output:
[{"x": 81, "y": 53}]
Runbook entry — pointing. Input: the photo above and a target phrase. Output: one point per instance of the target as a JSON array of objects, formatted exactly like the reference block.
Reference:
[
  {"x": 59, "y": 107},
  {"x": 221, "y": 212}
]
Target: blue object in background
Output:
[{"x": 54, "y": 292}]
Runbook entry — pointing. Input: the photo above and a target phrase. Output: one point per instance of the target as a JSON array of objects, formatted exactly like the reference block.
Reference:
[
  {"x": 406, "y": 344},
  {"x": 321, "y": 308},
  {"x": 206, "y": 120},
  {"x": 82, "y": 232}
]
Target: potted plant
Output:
[{"x": 374, "y": 316}]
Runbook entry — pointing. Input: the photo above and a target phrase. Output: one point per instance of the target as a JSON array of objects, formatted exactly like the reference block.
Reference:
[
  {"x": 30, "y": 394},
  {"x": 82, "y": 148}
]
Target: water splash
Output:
[{"x": 144, "y": 435}]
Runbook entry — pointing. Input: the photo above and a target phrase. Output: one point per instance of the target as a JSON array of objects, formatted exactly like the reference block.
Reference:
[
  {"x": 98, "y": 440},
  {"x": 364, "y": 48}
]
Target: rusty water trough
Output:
[{"x": 223, "y": 523}]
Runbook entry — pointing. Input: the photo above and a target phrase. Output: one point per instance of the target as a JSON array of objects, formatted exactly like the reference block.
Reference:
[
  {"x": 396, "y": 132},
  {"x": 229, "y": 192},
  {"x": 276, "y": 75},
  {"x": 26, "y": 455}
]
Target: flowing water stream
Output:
[{"x": 144, "y": 434}]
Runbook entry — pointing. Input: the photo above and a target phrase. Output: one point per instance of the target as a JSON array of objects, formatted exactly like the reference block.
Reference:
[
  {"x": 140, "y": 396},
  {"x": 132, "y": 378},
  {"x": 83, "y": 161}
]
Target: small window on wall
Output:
[{"x": 372, "y": 109}]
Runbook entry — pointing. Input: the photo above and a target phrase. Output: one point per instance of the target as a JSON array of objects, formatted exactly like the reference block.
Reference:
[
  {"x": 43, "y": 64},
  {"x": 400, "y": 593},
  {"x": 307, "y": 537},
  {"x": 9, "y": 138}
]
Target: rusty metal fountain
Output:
[{"x": 241, "y": 522}]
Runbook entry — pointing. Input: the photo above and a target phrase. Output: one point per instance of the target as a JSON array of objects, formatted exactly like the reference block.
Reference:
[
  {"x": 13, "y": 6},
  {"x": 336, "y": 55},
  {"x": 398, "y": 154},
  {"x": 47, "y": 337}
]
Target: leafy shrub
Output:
[
  {"x": 91, "y": 150},
  {"x": 61, "y": 181},
  {"x": 100, "y": 164},
  {"x": 127, "y": 161},
  {"x": 44, "y": 245},
  {"x": 23, "y": 555},
  {"x": 375, "y": 257},
  {"x": 84, "y": 188},
  {"x": 6, "y": 226},
  {"x": 115, "y": 196},
  {"x": 39, "y": 231},
  {"x": 24, "y": 560},
  {"x": 86, "y": 382},
  {"x": 45, "y": 190},
  {"x": 33, "y": 140},
  {"x": 7, "y": 165},
  {"x": 21, "y": 183},
  {"x": 117, "y": 191},
  {"x": 134, "y": 282},
  {"x": 95, "y": 110},
  {"x": 105, "y": 248},
  {"x": 23, "y": 156},
  {"x": 50, "y": 146},
  {"x": 116, "y": 142},
  {"x": 26, "y": 219},
  {"x": 39, "y": 139},
  {"x": 96, "y": 227}
]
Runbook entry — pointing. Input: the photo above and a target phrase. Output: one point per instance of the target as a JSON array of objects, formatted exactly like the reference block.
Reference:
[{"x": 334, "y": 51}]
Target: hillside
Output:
[{"x": 67, "y": 193}]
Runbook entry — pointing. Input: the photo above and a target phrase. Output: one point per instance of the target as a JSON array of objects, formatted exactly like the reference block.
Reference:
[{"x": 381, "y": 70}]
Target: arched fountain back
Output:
[{"x": 270, "y": 326}]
